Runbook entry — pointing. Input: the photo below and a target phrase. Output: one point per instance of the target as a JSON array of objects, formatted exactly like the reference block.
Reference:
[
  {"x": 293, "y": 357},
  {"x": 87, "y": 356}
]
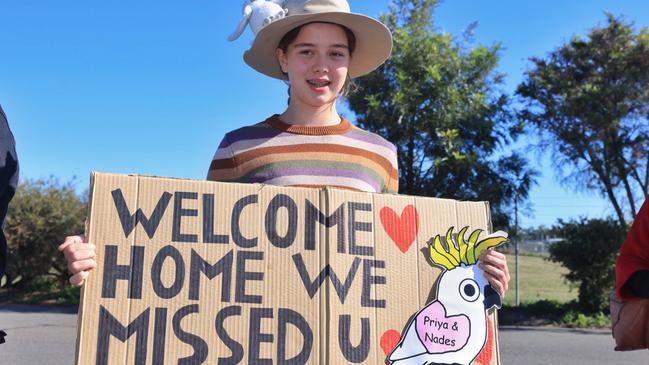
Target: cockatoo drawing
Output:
[{"x": 453, "y": 328}]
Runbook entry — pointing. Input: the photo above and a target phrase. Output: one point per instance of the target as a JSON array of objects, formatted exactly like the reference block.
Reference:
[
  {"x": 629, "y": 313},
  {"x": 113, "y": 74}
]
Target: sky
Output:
[{"x": 150, "y": 87}]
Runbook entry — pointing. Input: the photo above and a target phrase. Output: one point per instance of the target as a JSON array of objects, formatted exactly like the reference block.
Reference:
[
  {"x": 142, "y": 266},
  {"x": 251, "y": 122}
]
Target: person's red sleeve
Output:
[{"x": 634, "y": 254}]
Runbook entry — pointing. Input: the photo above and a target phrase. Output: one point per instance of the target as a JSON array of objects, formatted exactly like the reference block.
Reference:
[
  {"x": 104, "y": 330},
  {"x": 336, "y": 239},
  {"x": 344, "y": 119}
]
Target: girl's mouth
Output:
[{"x": 319, "y": 83}]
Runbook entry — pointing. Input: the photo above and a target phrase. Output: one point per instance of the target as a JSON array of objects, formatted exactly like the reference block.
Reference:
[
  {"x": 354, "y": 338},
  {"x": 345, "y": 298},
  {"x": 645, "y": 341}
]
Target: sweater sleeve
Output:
[
  {"x": 393, "y": 183},
  {"x": 224, "y": 166},
  {"x": 392, "y": 186},
  {"x": 634, "y": 253}
]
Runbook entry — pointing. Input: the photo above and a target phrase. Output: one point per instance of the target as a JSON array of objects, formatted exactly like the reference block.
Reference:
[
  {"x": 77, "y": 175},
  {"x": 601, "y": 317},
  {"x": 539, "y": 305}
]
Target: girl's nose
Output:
[{"x": 320, "y": 65}]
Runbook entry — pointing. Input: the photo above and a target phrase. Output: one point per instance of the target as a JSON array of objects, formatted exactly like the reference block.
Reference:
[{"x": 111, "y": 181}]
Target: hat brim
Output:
[{"x": 373, "y": 42}]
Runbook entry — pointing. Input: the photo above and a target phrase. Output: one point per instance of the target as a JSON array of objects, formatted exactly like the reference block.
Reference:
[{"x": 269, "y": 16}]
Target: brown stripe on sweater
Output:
[{"x": 319, "y": 148}]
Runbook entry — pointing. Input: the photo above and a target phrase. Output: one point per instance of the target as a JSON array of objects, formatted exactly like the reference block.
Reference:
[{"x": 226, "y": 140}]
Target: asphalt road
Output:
[
  {"x": 532, "y": 346},
  {"x": 46, "y": 335},
  {"x": 38, "y": 335}
]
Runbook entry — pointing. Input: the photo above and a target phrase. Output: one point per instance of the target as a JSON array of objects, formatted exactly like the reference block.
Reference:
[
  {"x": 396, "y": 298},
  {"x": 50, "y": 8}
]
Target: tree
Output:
[
  {"x": 588, "y": 251},
  {"x": 41, "y": 214},
  {"x": 521, "y": 179},
  {"x": 437, "y": 101},
  {"x": 589, "y": 101}
]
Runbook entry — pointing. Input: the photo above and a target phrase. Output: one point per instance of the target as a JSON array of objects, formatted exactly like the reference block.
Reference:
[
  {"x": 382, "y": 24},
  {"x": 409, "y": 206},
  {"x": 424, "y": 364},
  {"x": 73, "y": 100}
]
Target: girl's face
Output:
[{"x": 316, "y": 64}]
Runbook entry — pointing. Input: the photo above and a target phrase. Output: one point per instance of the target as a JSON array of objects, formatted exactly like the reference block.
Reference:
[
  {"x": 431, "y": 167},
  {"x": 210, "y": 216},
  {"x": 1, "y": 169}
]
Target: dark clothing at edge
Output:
[
  {"x": 8, "y": 180},
  {"x": 638, "y": 284}
]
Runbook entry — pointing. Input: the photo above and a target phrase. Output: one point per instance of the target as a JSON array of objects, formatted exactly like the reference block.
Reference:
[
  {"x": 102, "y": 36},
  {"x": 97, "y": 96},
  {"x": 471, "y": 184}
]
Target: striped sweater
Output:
[{"x": 276, "y": 153}]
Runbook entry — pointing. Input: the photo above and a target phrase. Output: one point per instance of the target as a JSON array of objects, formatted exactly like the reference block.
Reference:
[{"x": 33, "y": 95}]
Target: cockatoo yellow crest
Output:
[{"x": 454, "y": 250}]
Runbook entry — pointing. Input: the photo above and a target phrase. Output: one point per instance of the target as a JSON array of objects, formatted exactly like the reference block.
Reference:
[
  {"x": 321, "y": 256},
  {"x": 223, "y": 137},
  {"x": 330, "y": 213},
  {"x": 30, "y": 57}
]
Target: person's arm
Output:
[
  {"x": 224, "y": 165},
  {"x": 638, "y": 284}
]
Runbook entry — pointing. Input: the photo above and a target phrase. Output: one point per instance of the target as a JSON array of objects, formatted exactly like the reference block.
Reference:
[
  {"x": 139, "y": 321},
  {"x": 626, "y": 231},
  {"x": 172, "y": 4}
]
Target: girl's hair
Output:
[{"x": 291, "y": 36}]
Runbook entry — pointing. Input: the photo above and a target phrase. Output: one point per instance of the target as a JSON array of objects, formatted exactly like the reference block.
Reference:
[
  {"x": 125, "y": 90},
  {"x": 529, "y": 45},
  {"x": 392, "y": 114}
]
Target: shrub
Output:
[
  {"x": 588, "y": 251},
  {"x": 41, "y": 214},
  {"x": 580, "y": 320}
]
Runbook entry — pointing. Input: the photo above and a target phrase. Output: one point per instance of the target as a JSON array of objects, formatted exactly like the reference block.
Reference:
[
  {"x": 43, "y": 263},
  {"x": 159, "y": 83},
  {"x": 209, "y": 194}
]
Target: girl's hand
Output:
[
  {"x": 494, "y": 266},
  {"x": 80, "y": 256}
]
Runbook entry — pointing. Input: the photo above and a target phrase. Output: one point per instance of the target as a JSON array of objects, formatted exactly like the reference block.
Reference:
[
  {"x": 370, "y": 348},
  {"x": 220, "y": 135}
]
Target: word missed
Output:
[{"x": 238, "y": 346}]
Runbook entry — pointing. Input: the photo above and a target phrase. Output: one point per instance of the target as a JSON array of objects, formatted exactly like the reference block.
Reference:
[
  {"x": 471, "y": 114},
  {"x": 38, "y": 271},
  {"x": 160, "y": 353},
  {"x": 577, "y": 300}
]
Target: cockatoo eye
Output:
[{"x": 469, "y": 290}]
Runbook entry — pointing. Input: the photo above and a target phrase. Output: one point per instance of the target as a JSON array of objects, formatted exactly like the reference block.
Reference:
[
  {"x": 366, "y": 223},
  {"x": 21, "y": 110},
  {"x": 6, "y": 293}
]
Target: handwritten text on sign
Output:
[{"x": 233, "y": 269}]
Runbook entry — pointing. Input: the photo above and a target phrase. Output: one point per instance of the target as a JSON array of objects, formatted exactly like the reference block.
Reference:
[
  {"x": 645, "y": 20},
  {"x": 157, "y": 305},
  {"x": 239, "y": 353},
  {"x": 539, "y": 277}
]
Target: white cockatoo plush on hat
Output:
[
  {"x": 259, "y": 13},
  {"x": 453, "y": 328}
]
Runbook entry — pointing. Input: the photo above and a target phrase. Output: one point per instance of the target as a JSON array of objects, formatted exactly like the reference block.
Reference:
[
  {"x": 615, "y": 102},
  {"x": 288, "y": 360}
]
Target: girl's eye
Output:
[{"x": 307, "y": 52}]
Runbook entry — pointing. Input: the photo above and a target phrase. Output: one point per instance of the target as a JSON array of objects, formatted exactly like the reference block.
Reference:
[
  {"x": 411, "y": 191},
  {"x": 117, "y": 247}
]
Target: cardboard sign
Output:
[{"x": 198, "y": 272}]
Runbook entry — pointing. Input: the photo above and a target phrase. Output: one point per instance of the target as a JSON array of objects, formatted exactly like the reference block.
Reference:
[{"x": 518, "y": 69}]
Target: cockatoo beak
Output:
[{"x": 491, "y": 298}]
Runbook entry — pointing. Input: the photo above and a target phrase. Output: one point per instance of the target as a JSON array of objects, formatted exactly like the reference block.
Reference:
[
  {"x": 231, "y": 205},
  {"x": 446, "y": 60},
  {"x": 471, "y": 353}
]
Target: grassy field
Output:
[{"x": 539, "y": 279}]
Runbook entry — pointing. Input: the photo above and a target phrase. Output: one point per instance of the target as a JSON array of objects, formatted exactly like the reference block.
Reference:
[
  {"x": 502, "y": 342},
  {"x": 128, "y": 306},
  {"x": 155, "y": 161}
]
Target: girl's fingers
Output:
[
  {"x": 69, "y": 241},
  {"x": 81, "y": 265},
  {"x": 79, "y": 278},
  {"x": 79, "y": 255},
  {"x": 495, "y": 259},
  {"x": 494, "y": 272},
  {"x": 494, "y": 266},
  {"x": 72, "y": 251},
  {"x": 82, "y": 253},
  {"x": 499, "y": 286}
]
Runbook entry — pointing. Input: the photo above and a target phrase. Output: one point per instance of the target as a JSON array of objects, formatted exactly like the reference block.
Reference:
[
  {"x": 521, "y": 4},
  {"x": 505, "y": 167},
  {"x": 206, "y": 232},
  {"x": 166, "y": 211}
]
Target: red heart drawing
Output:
[
  {"x": 402, "y": 229},
  {"x": 389, "y": 341}
]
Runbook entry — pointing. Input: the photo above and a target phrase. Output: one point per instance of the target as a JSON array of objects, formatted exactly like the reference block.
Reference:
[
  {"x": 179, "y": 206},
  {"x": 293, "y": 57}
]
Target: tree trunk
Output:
[
  {"x": 618, "y": 157},
  {"x": 642, "y": 183},
  {"x": 606, "y": 181},
  {"x": 611, "y": 196},
  {"x": 629, "y": 194}
]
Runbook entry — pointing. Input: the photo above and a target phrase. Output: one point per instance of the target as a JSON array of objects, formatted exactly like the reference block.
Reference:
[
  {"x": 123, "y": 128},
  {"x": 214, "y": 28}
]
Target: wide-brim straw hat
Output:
[{"x": 373, "y": 39}]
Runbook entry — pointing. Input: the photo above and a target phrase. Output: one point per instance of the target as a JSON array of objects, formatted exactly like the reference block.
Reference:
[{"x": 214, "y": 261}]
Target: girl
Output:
[{"x": 318, "y": 47}]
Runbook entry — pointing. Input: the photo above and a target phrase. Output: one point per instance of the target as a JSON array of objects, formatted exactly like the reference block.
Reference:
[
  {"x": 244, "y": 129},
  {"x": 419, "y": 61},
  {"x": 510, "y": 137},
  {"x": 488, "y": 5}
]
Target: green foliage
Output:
[
  {"x": 581, "y": 320},
  {"x": 545, "y": 307},
  {"x": 589, "y": 101},
  {"x": 539, "y": 312},
  {"x": 437, "y": 100},
  {"x": 551, "y": 312},
  {"x": 47, "y": 291},
  {"x": 41, "y": 215},
  {"x": 69, "y": 294},
  {"x": 588, "y": 251}
]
